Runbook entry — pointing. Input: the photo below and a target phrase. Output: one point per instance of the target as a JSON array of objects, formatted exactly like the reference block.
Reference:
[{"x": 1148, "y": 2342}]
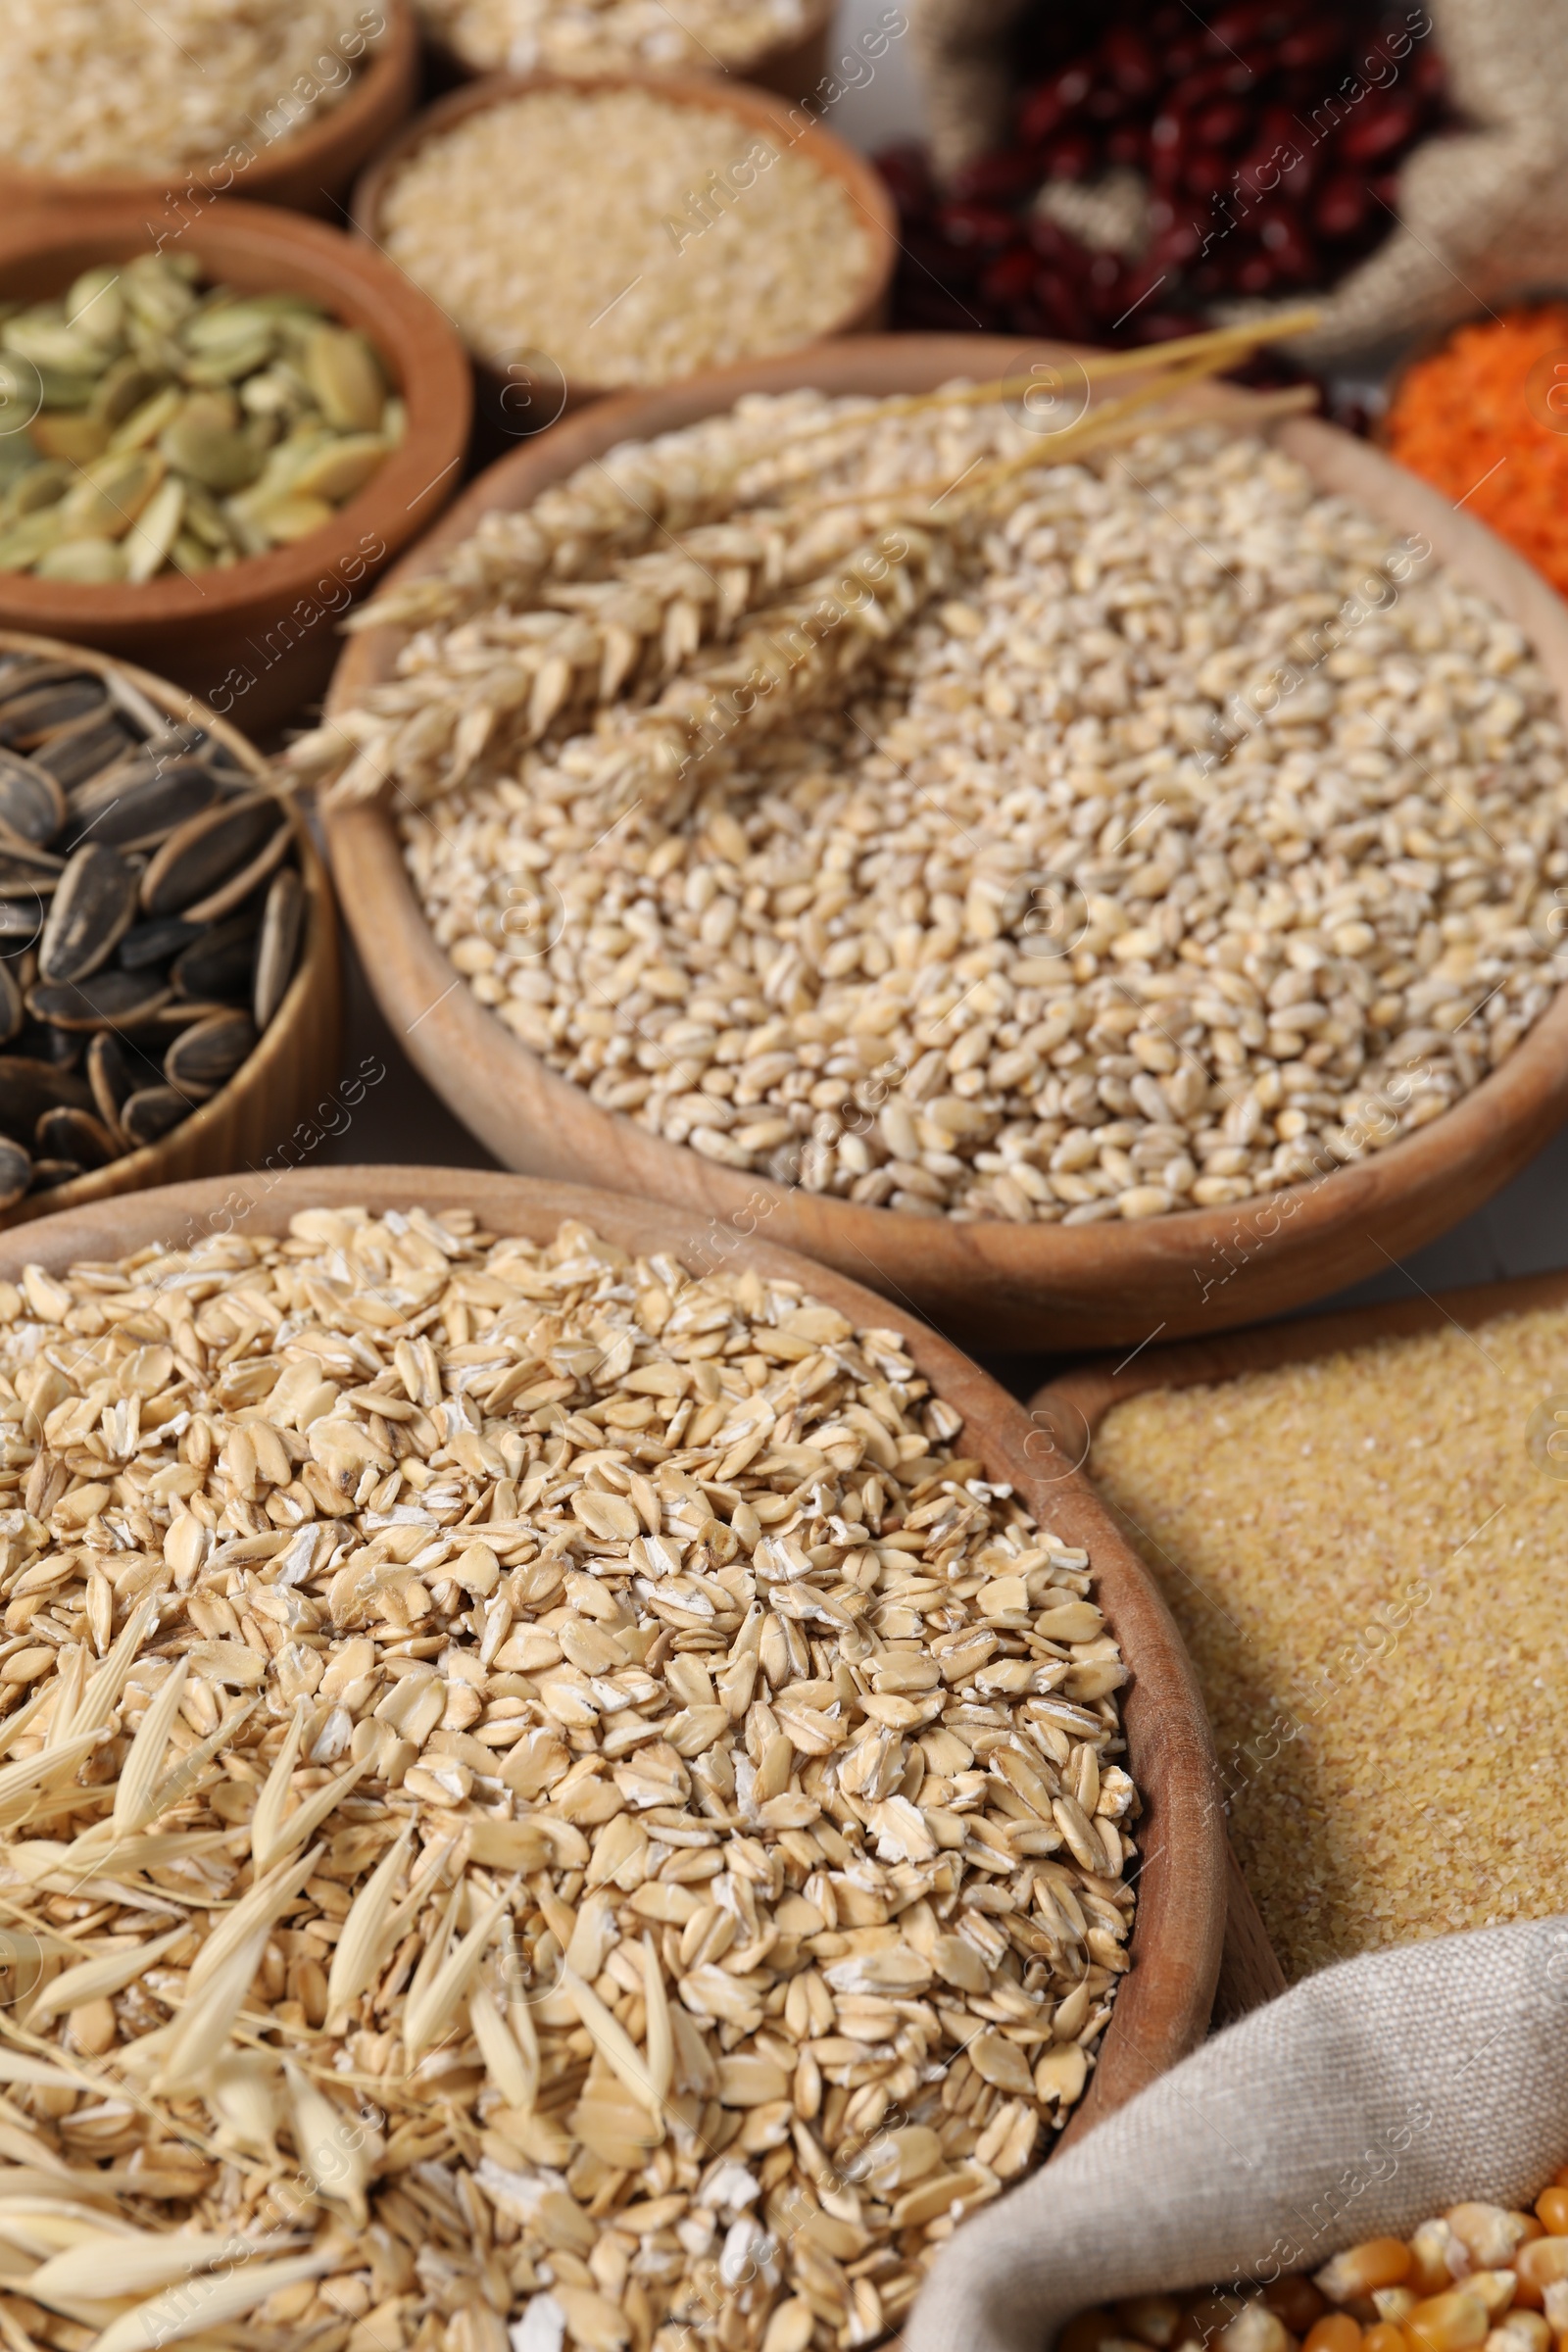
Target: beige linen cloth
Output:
[
  {"x": 1483, "y": 208},
  {"x": 1358, "y": 2104}
]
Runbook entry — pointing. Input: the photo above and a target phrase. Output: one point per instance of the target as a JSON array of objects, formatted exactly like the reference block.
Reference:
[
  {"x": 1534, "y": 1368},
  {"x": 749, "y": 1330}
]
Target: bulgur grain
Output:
[{"x": 1364, "y": 1557}]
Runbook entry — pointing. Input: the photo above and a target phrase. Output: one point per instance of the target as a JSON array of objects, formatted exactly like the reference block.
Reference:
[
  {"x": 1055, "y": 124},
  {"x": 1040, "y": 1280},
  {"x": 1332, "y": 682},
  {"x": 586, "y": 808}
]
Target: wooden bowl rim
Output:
[
  {"x": 137, "y": 1171},
  {"x": 451, "y": 1026},
  {"x": 422, "y": 354},
  {"x": 395, "y": 58},
  {"x": 1162, "y": 2006},
  {"x": 818, "y": 13},
  {"x": 720, "y": 93}
]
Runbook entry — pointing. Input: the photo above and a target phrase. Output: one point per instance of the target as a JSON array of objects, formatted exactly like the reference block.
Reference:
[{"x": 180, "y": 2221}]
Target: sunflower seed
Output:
[
  {"x": 205, "y": 1058},
  {"x": 15, "y": 1172},
  {"x": 11, "y": 1010},
  {"x": 110, "y": 1076},
  {"x": 48, "y": 1173},
  {"x": 239, "y": 886},
  {"x": 29, "y": 1088},
  {"x": 68, "y": 1134},
  {"x": 139, "y": 813},
  {"x": 148, "y": 1114},
  {"x": 114, "y": 999},
  {"x": 220, "y": 962},
  {"x": 32, "y": 803},
  {"x": 28, "y": 716},
  {"x": 277, "y": 946},
  {"x": 91, "y": 911},
  {"x": 22, "y": 922},
  {"x": 74, "y": 754},
  {"x": 200, "y": 856}
]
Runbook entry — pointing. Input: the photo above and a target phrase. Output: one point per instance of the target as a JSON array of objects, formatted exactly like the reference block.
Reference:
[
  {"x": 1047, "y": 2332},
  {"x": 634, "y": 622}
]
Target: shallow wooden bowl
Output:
[
  {"x": 1162, "y": 2008},
  {"x": 525, "y": 398},
  {"x": 1071, "y": 1409},
  {"x": 796, "y": 68},
  {"x": 1003, "y": 1286},
  {"x": 309, "y": 171},
  {"x": 258, "y": 639},
  {"x": 267, "y": 1112}
]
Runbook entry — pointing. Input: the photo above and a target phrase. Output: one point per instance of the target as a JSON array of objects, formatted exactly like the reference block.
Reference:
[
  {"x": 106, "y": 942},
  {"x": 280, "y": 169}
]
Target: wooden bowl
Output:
[
  {"x": 795, "y": 67},
  {"x": 266, "y": 1113},
  {"x": 258, "y": 639},
  {"x": 553, "y": 394},
  {"x": 1162, "y": 2008},
  {"x": 1004, "y": 1285},
  {"x": 309, "y": 171}
]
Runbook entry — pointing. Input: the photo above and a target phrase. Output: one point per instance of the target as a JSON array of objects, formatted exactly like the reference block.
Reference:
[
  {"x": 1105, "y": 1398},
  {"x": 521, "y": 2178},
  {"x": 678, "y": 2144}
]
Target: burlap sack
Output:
[
  {"x": 1484, "y": 211},
  {"x": 1359, "y": 2104}
]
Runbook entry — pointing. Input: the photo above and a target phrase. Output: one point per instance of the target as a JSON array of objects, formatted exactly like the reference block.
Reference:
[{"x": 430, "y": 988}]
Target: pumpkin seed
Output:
[
  {"x": 75, "y": 1135},
  {"x": 75, "y": 439},
  {"x": 344, "y": 373},
  {"x": 285, "y": 520},
  {"x": 92, "y": 910},
  {"x": 115, "y": 998},
  {"x": 126, "y": 388},
  {"x": 155, "y": 531},
  {"x": 200, "y": 856},
  {"x": 15, "y": 1172},
  {"x": 31, "y": 801},
  {"x": 51, "y": 343},
  {"x": 344, "y": 467},
  {"x": 278, "y": 944},
  {"x": 204, "y": 1057},
  {"x": 142, "y": 426},
  {"x": 92, "y": 562},
  {"x": 95, "y": 306},
  {"x": 205, "y": 442},
  {"x": 221, "y": 963},
  {"x": 42, "y": 486},
  {"x": 148, "y": 1114}
]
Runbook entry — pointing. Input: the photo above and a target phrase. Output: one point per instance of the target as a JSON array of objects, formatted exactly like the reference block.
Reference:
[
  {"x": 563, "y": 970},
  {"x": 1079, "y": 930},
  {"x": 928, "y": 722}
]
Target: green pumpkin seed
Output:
[
  {"x": 58, "y": 390},
  {"x": 96, "y": 306},
  {"x": 394, "y": 421},
  {"x": 17, "y": 458},
  {"x": 51, "y": 343},
  {"x": 126, "y": 388},
  {"x": 21, "y": 546},
  {"x": 160, "y": 295},
  {"x": 144, "y": 423},
  {"x": 345, "y": 375},
  {"x": 286, "y": 519},
  {"x": 75, "y": 439},
  {"x": 112, "y": 494},
  {"x": 42, "y": 486},
  {"x": 92, "y": 563},
  {"x": 157, "y": 528},
  {"x": 336, "y": 472},
  {"x": 226, "y": 363},
  {"x": 188, "y": 554},
  {"x": 204, "y": 441}
]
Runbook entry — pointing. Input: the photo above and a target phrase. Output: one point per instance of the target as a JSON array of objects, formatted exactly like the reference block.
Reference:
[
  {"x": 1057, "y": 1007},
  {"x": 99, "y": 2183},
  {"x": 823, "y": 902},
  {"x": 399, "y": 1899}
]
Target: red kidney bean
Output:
[
  {"x": 909, "y": 177},
  {"x": 1010, "y": 277},
  {"x": 1378, "y": 125},
  {"x": 983, "y": 226},
  {"x": 1062, "y": 304},
  {"x": 1312, "y": 44},
  {"x": 1127, "y": 144},
  {"x": 1000, "y": 178},
  {"x": 1341, "y": 207},
  {"x": 1221, "y": 124},
  {"x": 1072, "y": 155},
  {"x": 1130, "y": 62},
  {"x": 1052, "y": 244},
  {"x": 1206, "y": 172}
]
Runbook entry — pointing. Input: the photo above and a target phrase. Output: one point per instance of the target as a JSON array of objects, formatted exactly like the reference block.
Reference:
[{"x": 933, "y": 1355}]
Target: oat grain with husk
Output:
[{"x": 536, "y": 1784}]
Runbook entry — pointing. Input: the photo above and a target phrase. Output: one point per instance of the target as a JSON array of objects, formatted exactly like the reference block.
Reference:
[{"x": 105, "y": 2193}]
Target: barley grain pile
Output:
[
  {"x": 547, "y": 1792},
  {"x": 515, "y": 37},
  {"x": 1363, "y": 1554},
  {"x": 107, "y": 86},
  {"x": 581, "y": 222},
  {"x": 914, "y": 852}
]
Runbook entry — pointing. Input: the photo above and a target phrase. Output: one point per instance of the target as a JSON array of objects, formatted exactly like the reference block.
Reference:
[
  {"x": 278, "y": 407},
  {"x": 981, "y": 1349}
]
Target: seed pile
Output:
[
  {"x": 151, "y": 911},
  {"x": 106, "y": 85},
  {"x": 1361, "y": 1555},
  {"x": 932, "y": 865},
  {"x": 690, "y": 1788},
  {"x": 515, "y": 37},
  {"x": 489, "y": 218},
  {"x": 1478, "y": 2275},
  {"x": 178, "y": 428}
]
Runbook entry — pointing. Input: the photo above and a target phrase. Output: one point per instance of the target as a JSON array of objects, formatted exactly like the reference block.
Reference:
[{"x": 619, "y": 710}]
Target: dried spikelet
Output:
[
  {"x": 201, "y": 2031},
  {"x": 359, "y": 1949},
  {"x": 95, "y": 1979},
  {"x": 424, "y": 2015},
  {"x": 310, "y": 1816},
  {"x": 610, "y": 2039},
  {"x": 138, "y": 1775},
  {"x": 72, "y": 1682},
  {"x": 520, "y": 2017},
  {"x": 132, "y": 2266},
  {"x": 516, "y": 2082},
  {"x": 197, "y": 2304},
  {"x": 267, "y": 1821},
  {"x": 102, "y": 1695},
  {"x": 24, "y": 1787},
  {"x": 16, "y": 2066},
  {"x": 324, "y": 2143},
  {"x": 260, "y": 1908},
  {"x": 660, "y": 2033},
  {"x": 242, "y": 2092}
]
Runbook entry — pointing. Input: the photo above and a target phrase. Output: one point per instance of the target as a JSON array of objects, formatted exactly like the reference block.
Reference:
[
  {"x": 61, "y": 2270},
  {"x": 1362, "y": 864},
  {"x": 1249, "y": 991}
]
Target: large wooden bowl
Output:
[
  {"x": 309, "y": 171},
  {"x": 283, "y": 1102},
  {"x": 1162, "y": 2007},
  {"x": 751, "y": 110},
  {"x": 258, "y": 639},
  {"x": 1003, "y": 1286}
]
